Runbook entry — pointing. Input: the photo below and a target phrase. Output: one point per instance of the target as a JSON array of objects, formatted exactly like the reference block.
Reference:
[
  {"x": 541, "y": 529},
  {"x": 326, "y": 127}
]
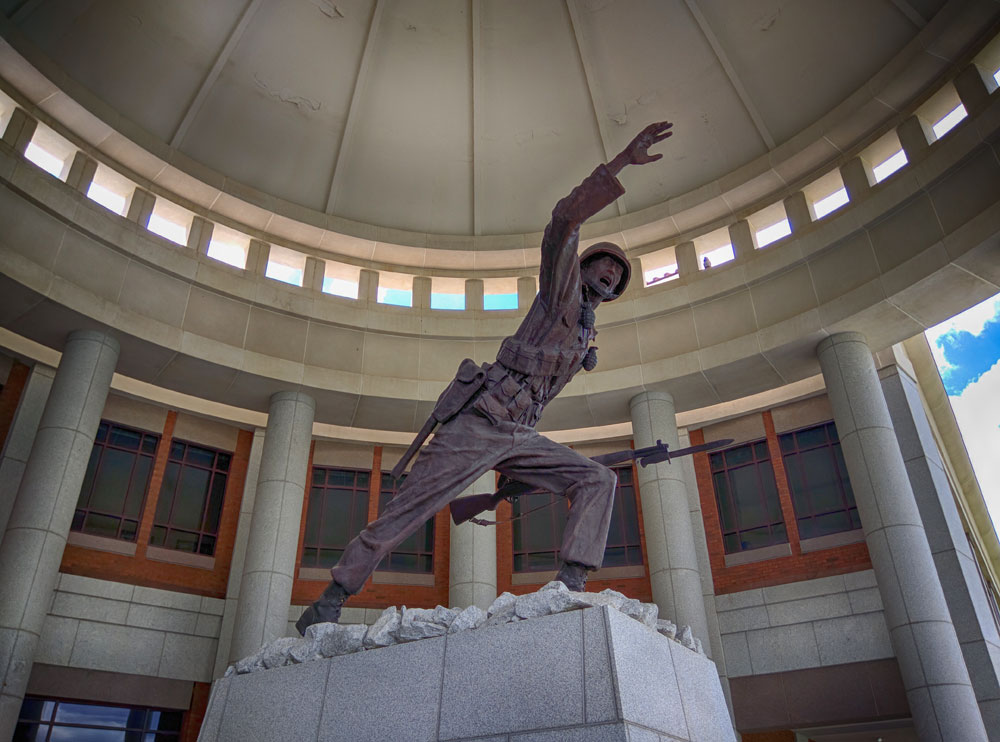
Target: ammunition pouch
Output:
[
  {"x": 468, "y": 380},
  {"x": 504, "y": 399},
  {"x": 533, "y": 360}
]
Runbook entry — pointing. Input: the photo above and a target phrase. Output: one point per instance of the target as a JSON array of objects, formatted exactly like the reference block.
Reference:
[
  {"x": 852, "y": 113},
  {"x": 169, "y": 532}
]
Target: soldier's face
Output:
[{"x": 603, "y": 271}]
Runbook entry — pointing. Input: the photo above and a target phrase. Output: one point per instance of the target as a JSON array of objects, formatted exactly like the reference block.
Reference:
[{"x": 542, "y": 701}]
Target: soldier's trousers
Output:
[{"x": 461, "y": 451}]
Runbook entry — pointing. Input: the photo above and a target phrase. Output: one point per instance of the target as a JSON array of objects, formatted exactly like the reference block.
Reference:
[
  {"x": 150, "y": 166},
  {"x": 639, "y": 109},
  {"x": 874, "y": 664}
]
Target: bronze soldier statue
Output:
[{"x": 488, "y": 413}]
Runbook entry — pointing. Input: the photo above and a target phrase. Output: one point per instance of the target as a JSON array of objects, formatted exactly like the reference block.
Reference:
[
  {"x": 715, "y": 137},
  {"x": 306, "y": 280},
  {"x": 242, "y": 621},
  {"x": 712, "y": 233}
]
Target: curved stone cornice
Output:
[
  {"x": 920, "y": 247},
  {"x": 954, "y": 35}
]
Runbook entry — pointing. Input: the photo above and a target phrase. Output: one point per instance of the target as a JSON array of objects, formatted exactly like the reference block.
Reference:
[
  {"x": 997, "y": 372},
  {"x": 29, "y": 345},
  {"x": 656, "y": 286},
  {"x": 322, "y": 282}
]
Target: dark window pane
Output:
[
  {"x": 149, "y": 444},
  {"x": 129, "y": 530},
  {"x": 313, "y": 515},
  {"x": 309, "y": 554},
  {"x": 177, "y": 451},
  {"x": 519, "y": 562},
  {"x": 112, "y": 481},
  {"x": 207, "y": 545},
  {"x": 74, "y": 734},
  {"x": 77, "y": 524},
  {"x": 137, "y": 487},
  {"x": 832, "y": 523},
  {"x": 200, "y": 456},
  {"x": 341, "y": 478},
  {"x": 102, "y": 525},
  {"x": 102, "y": 432},
  {"x": 105, "y": 716},
  {"x": 731, "y": 542},
  {"x": 336, "y": 517},
  {"x": 189, "y": 502},
  {"x": 362, "y": 481},
  {"x": 715, "y": 460},
  {"x": 824, "y": 487},
  {"x": 25, "y": 732},
  {"x": 329, "y": 557},
  {"x": 760, "y": 450},
  {"x": 182, "y": 541},
  {"x": 214, "y": 511},
  {"x": 360, "y": 519},
  {"x": 158, "y": 535},
  {"x": 166, "y": 721},
  {"x": 812, "y": 437},
  {"x": 747, "y": 497},
  {"x": 35, "y": 709},
  {"x": 125, "y": 438},
  {"x": 770, "y": 491},
  {"x": 630, "y": 515},
  {"x": 787, "y": 442},
  {"x": 319, "y": 476},
  {"x": 403, "y": 562},
  {"x": 167, "y": 489},
  {"x": 541, "y": 560},
  {"x": 624, "y": 475},
  {"x": 739, "y": 455},
  {"x": 222, "y": 461},
  {"x": 726, "y": 513},
  {"x": 88, "y": 478},
  {"x": 614, "y": 556}
]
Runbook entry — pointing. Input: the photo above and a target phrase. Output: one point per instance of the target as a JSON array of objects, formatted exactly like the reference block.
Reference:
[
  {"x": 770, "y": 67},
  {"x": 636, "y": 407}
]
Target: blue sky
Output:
[{"x": 967, "y": 351}]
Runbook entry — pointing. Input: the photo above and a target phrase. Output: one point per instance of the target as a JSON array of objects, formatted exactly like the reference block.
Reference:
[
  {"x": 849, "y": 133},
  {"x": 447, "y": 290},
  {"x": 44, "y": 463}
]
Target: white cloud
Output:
[
  {"x": 978, "y": 412},
  {"x": 972, "y": 320}
]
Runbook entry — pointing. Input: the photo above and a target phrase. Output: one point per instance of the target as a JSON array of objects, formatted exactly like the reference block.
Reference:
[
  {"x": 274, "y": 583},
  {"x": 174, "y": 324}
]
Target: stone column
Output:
[
  {"x": 973, "y": 90},
  {"x": 140, "y": 207},
  {"x": 956, "y": 564},
  {"x": 269, "y": 565},
  {"x": 239, "y": 555},
  {"x": 258, "y": 253},
  {"x": 421, "y": 292},
  {"x": 527, "y": 287},
  {"x": 81, "y": 172},
  {"x": 474, "y": 294},
  {"x": 670, "y": 544},
  {"x": 472, "y": 574},
  {"x": 797, "y": 211},
  {"x": 915, "y": 136},
  {"x": 742, "y": 238},
  {"x": 21, "y": 436},
  {"x": 314, "y": 273},
  {"x": 858, "y": 178},
  {"x": 923, "y": 636},
  {"x": 200, "y": 235},
  {"x": 687, "y": 259},
  {"x": 43, "y": 509},
  {"x": 20, "y": 129},
  {"x": 368, "y": 286}
]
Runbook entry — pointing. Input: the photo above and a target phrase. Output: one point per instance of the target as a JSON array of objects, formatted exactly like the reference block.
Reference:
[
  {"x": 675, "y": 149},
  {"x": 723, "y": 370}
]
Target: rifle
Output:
[{"x": 467, "y": 508}]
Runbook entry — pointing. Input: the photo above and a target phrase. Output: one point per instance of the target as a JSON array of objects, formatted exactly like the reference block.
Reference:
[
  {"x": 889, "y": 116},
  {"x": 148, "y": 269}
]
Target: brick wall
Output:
[
  {"x": 195, "y": 715},
  {"x": 798, "y": 566},
  {"x": 10, "y": 396},
  {"x": 140, "y": 569}
]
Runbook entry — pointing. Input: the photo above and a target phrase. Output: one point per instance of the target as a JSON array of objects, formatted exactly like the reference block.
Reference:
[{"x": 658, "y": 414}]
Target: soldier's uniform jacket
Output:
[{"x": 537, "y": 361}]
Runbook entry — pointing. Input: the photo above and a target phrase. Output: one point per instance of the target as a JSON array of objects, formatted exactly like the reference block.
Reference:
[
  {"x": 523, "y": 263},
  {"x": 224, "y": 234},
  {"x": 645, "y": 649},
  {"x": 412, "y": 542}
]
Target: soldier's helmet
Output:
[{"x": 611, "y": 250}]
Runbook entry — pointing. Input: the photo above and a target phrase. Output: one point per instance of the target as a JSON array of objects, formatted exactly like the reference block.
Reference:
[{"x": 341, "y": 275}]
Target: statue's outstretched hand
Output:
[{"x": 637, "y": 151}]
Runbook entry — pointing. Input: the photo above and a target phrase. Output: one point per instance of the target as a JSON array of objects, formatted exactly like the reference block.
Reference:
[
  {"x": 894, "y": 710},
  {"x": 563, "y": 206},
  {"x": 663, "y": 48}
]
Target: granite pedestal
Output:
[{"x": 581, "y": 676}]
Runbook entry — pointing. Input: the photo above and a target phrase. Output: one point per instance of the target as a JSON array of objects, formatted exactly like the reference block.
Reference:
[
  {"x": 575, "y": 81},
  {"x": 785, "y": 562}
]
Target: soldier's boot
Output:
[
  {"x": 574, "y": 576},
  {"x": 324, "y": 610}
]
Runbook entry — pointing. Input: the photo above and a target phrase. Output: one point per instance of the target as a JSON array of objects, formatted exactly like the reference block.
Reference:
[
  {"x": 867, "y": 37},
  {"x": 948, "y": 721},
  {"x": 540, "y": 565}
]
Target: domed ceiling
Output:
[{"x": 467, "y": 117}]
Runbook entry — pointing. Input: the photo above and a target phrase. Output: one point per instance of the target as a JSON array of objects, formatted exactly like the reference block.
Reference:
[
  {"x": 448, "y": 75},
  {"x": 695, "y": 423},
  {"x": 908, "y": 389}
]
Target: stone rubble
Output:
[{"x": 395, "y": 626}]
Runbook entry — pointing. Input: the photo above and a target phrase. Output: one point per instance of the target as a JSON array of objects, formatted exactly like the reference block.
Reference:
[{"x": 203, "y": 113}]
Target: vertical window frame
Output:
[
  {"x": 214, "y": 471},
  {"x": 726, "y": 469},
  {"x": 793, "y": 458},
  {"x": 356, "y": 508},
  {"x": 104, "y": 443}
]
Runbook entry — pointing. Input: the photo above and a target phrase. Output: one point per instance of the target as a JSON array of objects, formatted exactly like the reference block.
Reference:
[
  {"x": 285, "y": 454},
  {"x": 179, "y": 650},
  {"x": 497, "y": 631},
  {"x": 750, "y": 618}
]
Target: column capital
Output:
[
  {"x": 293, "y": 396},
  {"x": 651, "y": 396},
  {"x": 849, "y": 336}
]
